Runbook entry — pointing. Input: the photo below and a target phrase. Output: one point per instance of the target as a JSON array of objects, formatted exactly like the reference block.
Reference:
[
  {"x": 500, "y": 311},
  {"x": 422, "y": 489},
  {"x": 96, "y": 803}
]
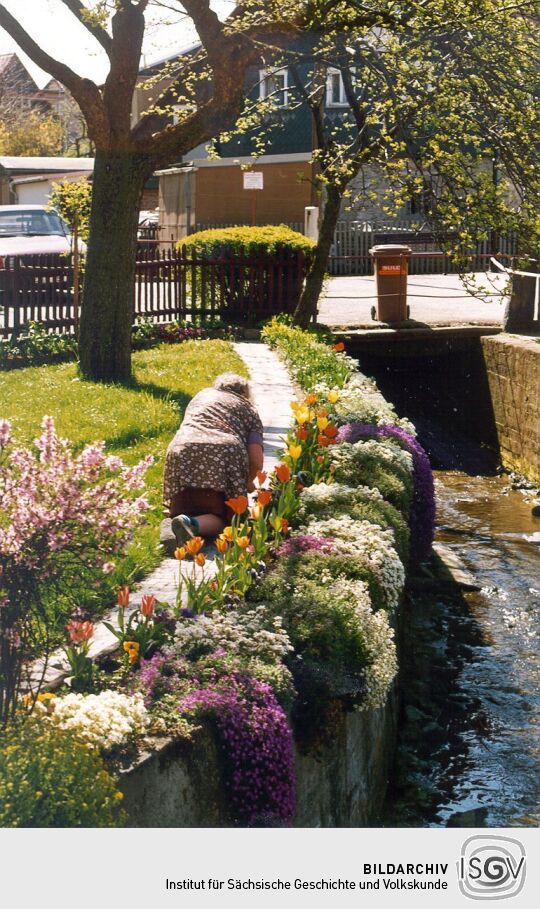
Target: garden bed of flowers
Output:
[
  {"x": 35, "y": 345},
  {"x": 269, "y": 644}
]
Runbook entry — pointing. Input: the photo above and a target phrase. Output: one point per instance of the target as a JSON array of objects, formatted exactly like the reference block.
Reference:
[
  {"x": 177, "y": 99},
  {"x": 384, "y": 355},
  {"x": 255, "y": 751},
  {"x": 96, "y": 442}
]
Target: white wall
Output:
[{"x": 33, "y": 193}]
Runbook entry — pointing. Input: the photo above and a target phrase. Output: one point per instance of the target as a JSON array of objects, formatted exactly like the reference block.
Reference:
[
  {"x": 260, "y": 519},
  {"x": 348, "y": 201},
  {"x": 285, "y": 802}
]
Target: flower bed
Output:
[{"x": 292, "y": 629}]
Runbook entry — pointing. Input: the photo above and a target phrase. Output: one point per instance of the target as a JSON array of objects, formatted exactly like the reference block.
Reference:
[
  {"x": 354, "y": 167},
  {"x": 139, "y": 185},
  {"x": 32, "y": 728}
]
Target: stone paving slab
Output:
[{"x": 272, "y": 393}]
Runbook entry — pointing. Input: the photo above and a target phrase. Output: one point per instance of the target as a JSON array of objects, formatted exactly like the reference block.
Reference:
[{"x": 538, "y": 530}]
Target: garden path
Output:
[{"x": 272, "y": 393}]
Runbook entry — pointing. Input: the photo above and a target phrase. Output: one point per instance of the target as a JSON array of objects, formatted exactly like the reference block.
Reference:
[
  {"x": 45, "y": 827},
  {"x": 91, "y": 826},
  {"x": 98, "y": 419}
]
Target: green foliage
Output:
[
  {"x": 309, "y": 358},
  {"x": 36, "y": 346},
  {"x": 49, "y": 778},
  {"x": 266, "y": 240},
  {"x": 321, "y": 625},
  {"x": 308, "y": 567},
  {"x": 72, "y": 199},
  {"x": 31, "y": 134}
]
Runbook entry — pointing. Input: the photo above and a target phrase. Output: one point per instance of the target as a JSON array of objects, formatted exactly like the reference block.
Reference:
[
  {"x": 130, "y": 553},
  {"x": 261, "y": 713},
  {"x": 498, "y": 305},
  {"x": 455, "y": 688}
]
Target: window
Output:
[
  {"x": 335, "y": 89},
  {"x": 274, "y": 84}
]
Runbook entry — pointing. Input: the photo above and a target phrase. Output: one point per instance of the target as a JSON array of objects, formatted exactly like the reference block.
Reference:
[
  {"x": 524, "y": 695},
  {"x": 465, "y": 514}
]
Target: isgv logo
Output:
[{"x": 491, "y": 867}]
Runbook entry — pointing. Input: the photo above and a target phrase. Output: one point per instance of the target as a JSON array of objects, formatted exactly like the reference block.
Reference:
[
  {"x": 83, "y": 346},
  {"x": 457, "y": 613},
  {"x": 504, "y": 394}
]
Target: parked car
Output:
[{"x": 31, "y": 230}]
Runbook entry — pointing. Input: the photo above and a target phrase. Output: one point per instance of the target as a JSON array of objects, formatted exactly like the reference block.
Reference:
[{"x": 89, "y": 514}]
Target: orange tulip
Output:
[
  {"x": 147, "y": 605},
  {"x": 264, "y": 497},
  {"x": 200, "y": 559},
  {"x": 331, "y": 431},
  {"x": 339, "y": 346},
  {"x": 284, "y": 525},
  {"x": 322, "y": 412},
  {"x": 222, "y": 544},
  {"x": 283, "y": 473},
  {"x": 194, "y": 545},
  {"x": 310, "y": 399},
  {"x": 302, "y": 434},
  {"x": 320, "y": 459},
  {"x": 180, "y": 553},
  {"x": 238, "y": 505},
  {"x": 243, "y": 542},
  {"x": 123, "y": 597},
  {"x": 323, "y": 440},
  {"x": 78, "y": 632},
  {"x": 262, "y": 476}
]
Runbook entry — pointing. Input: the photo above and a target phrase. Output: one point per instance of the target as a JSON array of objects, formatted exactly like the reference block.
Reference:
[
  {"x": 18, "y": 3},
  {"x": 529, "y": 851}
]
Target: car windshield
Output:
[{"x": 30, "y": 223}]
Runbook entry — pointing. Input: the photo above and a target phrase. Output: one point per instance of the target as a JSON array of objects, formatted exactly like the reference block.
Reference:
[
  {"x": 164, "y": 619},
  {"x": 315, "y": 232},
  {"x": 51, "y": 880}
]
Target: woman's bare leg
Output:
[{"x": 210, "y": 525}]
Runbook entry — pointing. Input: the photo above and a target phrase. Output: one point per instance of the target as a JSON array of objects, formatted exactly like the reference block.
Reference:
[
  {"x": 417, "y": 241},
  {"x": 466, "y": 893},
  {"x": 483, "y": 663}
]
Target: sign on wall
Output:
[{"x": 253, "y": 179}]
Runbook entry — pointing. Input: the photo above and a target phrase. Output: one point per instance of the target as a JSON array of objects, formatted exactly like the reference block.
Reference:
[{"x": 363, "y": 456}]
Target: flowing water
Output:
[{"x": 469, "y": 744}]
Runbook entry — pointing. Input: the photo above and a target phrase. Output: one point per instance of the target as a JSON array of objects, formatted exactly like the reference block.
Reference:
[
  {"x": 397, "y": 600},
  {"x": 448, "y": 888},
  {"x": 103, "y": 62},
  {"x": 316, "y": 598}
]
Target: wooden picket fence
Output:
[
  {"x": 353, "y": 240},
  {"x": 170, "y": 285}
]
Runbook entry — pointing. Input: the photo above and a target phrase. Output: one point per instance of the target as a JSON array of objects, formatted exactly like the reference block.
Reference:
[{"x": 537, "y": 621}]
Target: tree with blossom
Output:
[{"x": 62, "y": 516}]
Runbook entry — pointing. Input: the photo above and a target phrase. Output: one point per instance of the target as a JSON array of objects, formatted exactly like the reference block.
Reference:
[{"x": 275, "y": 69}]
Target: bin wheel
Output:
[{"x": 373, "y": 313}]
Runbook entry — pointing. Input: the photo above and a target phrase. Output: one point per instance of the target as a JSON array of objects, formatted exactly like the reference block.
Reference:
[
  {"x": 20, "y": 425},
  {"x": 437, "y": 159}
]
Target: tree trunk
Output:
[
  {"x": 307, "y": 305},
  {"x": 109, "y": 281}
]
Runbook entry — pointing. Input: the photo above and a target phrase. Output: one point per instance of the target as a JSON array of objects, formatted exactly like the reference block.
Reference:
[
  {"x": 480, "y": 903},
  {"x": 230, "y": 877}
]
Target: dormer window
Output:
[
  {"x": 335, "y": 89},
  {"x": 274, "y": 84}
]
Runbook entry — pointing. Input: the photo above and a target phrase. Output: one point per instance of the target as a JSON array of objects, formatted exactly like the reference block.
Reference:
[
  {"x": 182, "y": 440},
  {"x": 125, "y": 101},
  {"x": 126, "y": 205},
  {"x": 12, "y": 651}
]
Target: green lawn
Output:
[{"x": 133, "y": 421}]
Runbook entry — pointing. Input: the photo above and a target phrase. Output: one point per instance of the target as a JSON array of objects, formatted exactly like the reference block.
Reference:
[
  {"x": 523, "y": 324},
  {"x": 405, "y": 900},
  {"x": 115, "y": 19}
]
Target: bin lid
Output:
[{"x": 390, "y": 249}]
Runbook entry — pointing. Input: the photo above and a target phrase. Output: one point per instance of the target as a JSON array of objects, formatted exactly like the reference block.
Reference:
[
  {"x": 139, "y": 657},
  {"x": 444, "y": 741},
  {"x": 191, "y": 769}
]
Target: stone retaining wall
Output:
[
  {"x": 513, "y": 371},
  {"x": 178, "y": 784}
]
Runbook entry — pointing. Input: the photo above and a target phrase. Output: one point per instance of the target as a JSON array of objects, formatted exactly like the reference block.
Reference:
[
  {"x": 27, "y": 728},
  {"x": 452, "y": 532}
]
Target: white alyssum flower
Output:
[
  {"x": 370, "y": 544},
  {"x": 348, "y": 457},
  {"x": 324, "y": 497},
  {"x": 252, "y": 634},
  {"x": 105, "y": 719},
  {"x": 378, "y": 636},
  {"x": 361, "y": 402},
  {"x": 382, "y": 659}
]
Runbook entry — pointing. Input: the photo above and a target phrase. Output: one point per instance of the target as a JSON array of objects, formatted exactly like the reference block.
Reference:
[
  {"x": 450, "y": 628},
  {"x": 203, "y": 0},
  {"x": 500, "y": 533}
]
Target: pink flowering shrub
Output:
[{"x": 62, "y": 516}]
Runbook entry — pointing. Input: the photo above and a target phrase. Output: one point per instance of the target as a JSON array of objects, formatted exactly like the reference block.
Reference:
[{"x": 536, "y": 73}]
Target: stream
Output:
[{"x": 469, "y": 739}]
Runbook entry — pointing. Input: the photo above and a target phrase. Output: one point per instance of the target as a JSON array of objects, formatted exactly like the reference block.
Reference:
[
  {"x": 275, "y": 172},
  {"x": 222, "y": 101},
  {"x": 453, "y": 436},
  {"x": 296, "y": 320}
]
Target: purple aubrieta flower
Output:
[
  {"x": 422, "y": 516},
  {"x": 305, "y": 542},
  {"x": 256, "y": 741},
  {"x": 254, "y": 735}
]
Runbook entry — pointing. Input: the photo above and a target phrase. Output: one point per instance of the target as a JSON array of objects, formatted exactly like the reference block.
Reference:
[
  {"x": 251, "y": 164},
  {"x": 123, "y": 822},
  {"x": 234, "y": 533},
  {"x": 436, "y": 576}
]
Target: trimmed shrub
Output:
[
  {"x": 258, "y": 271},
  {"x": 50, "y": 778},
  {"x": 263, "y": 241}
]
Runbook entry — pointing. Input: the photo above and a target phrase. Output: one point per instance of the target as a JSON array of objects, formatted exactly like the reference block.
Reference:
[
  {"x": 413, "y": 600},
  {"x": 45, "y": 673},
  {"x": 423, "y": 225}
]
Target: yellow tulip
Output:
[
  {"x": 294, "y": 451},
  {"x": 333, "y": 396},
  {"x": 228, "y": 533},
  {"x": 302, "y": 415},
  {"x": 322, "y": 423}
]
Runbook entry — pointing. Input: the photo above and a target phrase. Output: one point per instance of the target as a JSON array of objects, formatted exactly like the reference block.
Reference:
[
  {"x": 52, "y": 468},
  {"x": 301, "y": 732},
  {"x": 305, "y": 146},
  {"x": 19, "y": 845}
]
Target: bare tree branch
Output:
[{"x": 85, "y": 92}]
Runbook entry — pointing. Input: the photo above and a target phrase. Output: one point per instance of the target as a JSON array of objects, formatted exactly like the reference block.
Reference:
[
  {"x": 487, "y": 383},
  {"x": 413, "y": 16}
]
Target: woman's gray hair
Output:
[{"x": 230, "y": 381}]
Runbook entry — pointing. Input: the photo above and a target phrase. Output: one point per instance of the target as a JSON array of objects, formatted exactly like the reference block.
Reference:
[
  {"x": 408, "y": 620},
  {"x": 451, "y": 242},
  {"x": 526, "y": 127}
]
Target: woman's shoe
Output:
[{"x": 182, "y": 528}]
